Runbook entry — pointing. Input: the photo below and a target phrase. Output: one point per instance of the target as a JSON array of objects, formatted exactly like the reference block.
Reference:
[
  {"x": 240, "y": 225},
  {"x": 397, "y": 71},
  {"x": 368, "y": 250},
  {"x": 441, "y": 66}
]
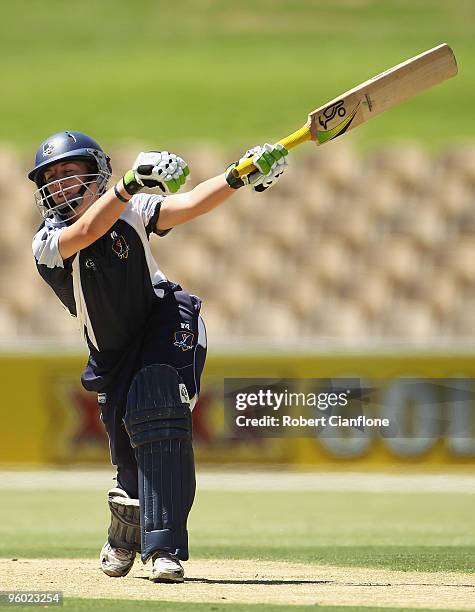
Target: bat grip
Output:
[
  {"x": 289, "y": 142},
  {"x": 302, "y": 135}
]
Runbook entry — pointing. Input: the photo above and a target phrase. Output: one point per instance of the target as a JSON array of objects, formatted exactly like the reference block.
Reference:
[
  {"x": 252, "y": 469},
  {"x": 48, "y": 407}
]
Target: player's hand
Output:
[
  {"x": 271, "y": 163},
  {"x": 160, "y": 169}
]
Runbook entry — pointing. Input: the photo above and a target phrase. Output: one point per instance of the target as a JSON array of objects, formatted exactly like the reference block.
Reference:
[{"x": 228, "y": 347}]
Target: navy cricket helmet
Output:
[{"x": 69, "y": 146}]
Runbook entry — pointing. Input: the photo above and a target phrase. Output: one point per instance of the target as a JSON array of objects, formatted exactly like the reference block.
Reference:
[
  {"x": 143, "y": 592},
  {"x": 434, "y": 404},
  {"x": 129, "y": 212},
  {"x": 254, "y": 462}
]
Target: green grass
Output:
[
  {"x": 168, "y": 74},
  {"x": 112, "y": 605},
  {"x": 426, "y": 532}
]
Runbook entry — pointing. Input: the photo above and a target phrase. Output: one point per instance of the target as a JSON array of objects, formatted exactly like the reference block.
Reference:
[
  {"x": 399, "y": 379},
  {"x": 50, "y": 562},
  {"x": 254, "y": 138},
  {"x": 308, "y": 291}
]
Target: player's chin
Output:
[
  {"x": 81, "y": 209},
  {"x": 75, "y": 212}
]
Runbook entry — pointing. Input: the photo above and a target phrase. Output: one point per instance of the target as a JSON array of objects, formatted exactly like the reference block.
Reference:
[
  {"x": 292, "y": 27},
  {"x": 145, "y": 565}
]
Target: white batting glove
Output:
[
  {"x": 161, "y": 169},
  {"x": 271, "y": 163}
]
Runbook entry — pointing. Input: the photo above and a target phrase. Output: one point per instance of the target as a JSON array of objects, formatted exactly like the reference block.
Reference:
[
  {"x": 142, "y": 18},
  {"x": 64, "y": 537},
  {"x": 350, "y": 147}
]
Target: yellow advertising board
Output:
[{"x": 47, "y": 418}]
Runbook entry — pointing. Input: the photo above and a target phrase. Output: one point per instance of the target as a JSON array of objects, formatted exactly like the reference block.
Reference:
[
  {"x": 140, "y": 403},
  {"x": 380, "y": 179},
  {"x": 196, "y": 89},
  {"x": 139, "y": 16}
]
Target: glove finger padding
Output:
[
  {"x": 270, "y": 163},
  {"x": 161, "y": 169}
]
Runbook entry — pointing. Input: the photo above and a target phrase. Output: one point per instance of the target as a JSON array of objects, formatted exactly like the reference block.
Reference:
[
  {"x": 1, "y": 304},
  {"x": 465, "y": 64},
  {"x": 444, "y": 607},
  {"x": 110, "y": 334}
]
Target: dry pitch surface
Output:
[{"x": 249, "y": 582}]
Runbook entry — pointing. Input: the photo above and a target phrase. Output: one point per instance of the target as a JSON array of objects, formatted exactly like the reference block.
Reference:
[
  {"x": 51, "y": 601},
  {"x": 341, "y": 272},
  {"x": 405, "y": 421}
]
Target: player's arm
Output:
[
  {"x": 183, "y": 207},
  {"x": 177, "y": 209},
  {"x": 94, "y": 223},
  {"x": 170, "y": 174}
]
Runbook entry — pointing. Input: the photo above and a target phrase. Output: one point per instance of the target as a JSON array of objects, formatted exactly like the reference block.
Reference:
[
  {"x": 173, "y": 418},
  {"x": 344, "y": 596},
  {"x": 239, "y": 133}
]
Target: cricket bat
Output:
[{"x": 371, "y": 98}]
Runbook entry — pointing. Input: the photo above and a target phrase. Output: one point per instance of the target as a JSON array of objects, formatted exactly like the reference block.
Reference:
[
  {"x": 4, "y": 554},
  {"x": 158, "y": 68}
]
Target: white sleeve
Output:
[
  {"x": 147, "y": 207},
  {"x": 46, "y": 248}
]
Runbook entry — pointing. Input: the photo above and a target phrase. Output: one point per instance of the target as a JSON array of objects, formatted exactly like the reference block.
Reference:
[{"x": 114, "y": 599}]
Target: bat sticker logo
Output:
[
  {"x": 330, "y": 112},
  {"x": 338, "y": 130}
]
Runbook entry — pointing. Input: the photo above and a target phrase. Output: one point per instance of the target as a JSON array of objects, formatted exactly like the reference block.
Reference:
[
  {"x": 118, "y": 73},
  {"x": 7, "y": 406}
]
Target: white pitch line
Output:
[{"x": 240, "y": 480}]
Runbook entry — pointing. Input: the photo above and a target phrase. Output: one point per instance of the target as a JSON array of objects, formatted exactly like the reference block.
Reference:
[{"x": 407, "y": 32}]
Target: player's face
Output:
[{"x": 65, "y": 180}]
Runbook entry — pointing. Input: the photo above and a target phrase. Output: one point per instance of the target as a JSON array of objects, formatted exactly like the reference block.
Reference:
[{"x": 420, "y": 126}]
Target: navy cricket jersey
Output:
[{"x": 111, "y": 286}]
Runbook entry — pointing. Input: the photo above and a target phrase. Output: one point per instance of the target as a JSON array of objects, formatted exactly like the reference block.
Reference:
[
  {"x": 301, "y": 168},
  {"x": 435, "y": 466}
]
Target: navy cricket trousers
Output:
[{"x": 175, "y": 336}]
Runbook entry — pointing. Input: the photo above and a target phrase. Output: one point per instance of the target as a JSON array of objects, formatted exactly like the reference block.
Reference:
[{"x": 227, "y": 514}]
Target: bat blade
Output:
[
  {"x": 371, "y": 98},
  {"x": 382, "y": 92}
]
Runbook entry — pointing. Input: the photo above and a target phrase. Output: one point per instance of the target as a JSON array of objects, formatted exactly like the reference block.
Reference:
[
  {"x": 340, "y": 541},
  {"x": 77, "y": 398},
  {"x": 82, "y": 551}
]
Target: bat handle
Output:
[
  {"x": 289, "y": 142},
  {"x": 302, "y": 135}
]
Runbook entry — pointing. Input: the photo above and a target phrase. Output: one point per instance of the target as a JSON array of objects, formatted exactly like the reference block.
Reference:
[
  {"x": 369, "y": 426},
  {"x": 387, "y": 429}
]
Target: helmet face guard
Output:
[
  {"x": 59, "y": 199},
  {"x": 70, "y": 196}
]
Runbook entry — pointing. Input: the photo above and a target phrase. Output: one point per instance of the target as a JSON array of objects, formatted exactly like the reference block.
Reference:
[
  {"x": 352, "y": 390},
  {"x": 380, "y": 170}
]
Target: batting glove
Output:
[
  {"x": 159, "y": 169},
  {"x": 271, "y": 163}
]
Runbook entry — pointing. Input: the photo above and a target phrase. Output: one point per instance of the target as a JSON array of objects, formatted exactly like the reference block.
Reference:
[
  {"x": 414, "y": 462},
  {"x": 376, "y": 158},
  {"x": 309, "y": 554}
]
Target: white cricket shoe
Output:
[
  {"x": 116, "y": 561},
  {"x": 166, "y": 568}
]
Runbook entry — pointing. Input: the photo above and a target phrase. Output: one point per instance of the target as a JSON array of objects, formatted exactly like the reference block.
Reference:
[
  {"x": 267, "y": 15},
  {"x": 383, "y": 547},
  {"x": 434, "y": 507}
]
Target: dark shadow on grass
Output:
[
  {"x": 256, "y": 581},
  {"x": 320, "y": 582}
]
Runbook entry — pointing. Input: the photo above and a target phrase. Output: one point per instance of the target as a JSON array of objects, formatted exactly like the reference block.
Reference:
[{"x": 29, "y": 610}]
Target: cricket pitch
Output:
[{"x": 246, "y": 581}]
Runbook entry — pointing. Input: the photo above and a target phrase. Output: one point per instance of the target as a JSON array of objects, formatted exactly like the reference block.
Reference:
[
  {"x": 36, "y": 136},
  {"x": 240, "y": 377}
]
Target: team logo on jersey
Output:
[
  {"x": 184, "y": 340},
  {"x": 48, "y": 148},
  {"x": 119, "y": 246},
  {"x": 89, "y": 263}
]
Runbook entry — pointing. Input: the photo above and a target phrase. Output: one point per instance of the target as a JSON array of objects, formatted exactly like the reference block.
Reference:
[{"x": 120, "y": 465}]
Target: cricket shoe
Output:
[
  {"x": 116, "y": 561},
  {"x": 166, "y": 568}
]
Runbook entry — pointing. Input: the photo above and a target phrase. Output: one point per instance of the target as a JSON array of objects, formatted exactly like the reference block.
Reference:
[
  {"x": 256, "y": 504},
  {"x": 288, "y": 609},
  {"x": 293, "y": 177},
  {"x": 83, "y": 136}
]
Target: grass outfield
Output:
[
  {"x": 170, "y": 74},
  {"x": 413, "y": 531}
]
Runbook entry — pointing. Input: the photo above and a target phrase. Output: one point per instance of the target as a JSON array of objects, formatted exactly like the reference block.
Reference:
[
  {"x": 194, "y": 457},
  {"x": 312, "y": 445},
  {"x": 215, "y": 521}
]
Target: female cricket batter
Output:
[{"x": 146, "y": 339}]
